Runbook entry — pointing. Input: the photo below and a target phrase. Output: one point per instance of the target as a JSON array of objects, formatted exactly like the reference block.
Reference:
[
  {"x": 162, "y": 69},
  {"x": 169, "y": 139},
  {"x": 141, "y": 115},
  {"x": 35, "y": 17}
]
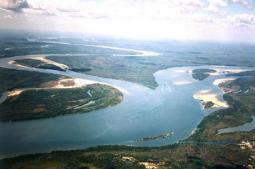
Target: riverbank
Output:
[
  {"x": 208, "y": 97},
  {"x": 69, "y": 83},
  {"x": 52, "y": 95},
  {"x": 39, "y": 62},
  {"x": 226, "y": 150}
]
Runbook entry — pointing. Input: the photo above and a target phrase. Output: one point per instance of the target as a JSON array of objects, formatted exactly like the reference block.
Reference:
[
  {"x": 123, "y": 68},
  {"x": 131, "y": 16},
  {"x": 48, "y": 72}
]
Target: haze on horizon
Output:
[{"x": 216, "y": 20}]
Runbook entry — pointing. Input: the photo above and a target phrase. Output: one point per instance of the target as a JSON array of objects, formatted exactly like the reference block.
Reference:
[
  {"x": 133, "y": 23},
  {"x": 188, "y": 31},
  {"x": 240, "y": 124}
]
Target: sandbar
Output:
[{"x": 208, "y": 96}]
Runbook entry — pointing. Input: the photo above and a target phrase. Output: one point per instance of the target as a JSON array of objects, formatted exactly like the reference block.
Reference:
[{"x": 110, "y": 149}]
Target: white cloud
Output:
[
  {"x": 178, "y": 19},
  {"x": 218, "y": 3},
  {"x": 243, "y": 3},
  {"x": 215, "y": 6},
  {"x": 242, "y": 19},
  {"x": 15, "y": 5},
  {"x": 104, "y": 8}
]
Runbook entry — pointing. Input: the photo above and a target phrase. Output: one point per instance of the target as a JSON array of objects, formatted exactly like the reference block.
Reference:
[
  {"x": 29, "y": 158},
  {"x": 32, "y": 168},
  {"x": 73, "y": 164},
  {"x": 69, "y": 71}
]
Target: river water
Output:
[{"x": 142, "y": 113}]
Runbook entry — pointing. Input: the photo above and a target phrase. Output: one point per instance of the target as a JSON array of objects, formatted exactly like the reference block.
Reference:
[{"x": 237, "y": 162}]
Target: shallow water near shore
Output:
[
  {"x": 245, "y": 127},
  {"x": 143, "y": 113}
]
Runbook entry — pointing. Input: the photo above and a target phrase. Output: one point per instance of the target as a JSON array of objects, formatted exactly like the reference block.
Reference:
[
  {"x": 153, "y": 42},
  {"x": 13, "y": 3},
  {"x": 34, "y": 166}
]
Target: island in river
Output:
[
  {"x": 41, "y": 63},
  {"x": 201, "y": 74},
  {"x": 53, "y": 95},
  {"x": 205, "y": 148}
]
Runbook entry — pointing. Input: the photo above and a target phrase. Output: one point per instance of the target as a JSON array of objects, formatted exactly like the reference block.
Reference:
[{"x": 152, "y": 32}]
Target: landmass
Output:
[
  {"x": 209, "y": 104},
  {"x": 43, "y": 63},
  {"x": 178, "y": 156},
  {"x": 160, "y": 136},
  {"x": 201, "y": 74},
  {"x": 130, "y": 68},
  {"x": 205, "y": 148},
  {"x": 106, "y": 62},
  {"x": 52, "y": 95},
  {"x": 40, "y": 63},
  {"x": 54, "y": 102},
  {"x": 240, "y": 98},
  {"x": 13, "y": 79},
  {"x": 209, "y": 99}
]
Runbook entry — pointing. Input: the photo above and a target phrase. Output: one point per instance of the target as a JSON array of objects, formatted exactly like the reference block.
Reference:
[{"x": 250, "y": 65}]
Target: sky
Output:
[{"x": 216, "y": 20}]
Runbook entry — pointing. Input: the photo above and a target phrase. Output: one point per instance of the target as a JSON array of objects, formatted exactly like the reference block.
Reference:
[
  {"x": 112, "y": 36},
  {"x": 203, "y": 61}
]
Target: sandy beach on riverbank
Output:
[{"x": 208, "y": 96}]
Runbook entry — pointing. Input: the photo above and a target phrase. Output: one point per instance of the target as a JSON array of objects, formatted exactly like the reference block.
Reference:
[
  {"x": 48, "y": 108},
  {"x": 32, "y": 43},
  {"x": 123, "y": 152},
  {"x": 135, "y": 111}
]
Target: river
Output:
[{"x": 143, "y": 113}]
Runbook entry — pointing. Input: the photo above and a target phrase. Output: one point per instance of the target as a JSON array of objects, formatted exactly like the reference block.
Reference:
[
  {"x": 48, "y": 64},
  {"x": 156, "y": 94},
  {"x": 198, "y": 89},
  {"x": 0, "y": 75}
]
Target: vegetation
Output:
[
  {"x": 38, "y": 64},
  {"x": 208, "y": 105},
  {"x": 16, "y": 79},
  {"x": 43, "y": 103},
  {"x": 24, "y": 43},
  {"x": 123, "y": 65},
  {"x": 241, "y": 108},
  {"x": 192, "y": 156},
  {"x": 49, "y": 102},
  {"x": 201, "y": 74},
  {"x": 133, "y": 69},
  {"x": 245, "y": 73},
  {"x": 204, "y": 149}
]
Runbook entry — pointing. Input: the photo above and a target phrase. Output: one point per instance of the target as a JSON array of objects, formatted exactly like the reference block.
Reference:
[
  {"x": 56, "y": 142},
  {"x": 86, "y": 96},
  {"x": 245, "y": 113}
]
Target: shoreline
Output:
[
  {"x": 67, "y": 83},
  {"x": 44, "y": 57},
  {"x": 218, "y": 82},
  {"x": 207, "y": 96},
  {"x": 110, "y": 145},
  {"x": 117, "y": 88},
  {"x": 222, "y": 70}
]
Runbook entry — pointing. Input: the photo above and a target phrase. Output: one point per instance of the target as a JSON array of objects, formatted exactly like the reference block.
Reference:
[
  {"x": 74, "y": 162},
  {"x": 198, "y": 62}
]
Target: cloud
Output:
[
  {"x": 242, "y": 19},
  {"x": 218, "y": 3},
  {"x": 205, "y": 19},
  {"x": 14, "y": 5},
  {"x": 215, "y": 5},
  {"x": 190, "y": 4},
  {"x": 49, "y": 7},
  {"x": 243, "y": 3},
  {"x": 124, "y": 9},
  {"x": 105, "y": 8},
  {"x": 136, "y": 18}
]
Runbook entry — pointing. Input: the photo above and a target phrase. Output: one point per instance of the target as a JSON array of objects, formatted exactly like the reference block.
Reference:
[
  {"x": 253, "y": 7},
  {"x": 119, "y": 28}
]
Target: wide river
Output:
[{"x": 142, "y": 113}]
